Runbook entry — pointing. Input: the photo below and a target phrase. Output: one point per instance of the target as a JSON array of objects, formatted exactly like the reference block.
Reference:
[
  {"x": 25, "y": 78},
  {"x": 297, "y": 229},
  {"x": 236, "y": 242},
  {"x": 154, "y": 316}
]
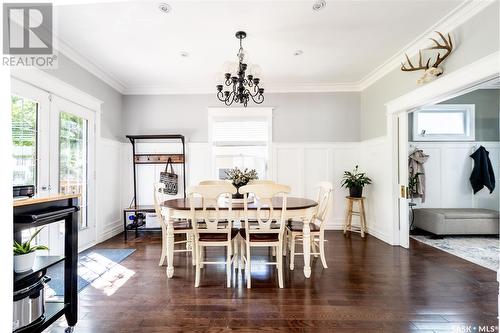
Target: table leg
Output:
[
  {"x": 170, "y": 244},
  {"x": 306, "y": 244}
]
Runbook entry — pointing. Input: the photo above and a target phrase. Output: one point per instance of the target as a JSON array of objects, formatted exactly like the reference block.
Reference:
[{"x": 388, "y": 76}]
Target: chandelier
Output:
[{"x": 241, "y": 87}]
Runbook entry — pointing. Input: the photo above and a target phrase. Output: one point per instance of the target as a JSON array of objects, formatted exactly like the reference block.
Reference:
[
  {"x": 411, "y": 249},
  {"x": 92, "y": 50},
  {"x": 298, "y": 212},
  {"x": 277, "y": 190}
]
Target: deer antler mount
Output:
[{"x": 431, "y": 71}]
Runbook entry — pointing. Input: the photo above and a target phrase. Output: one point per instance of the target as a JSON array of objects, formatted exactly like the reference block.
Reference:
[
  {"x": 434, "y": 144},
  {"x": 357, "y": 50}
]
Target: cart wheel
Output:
[{"x": 69, "y": 329}]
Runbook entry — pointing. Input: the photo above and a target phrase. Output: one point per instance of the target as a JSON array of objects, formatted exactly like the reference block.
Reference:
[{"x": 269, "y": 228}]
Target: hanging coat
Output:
[
  {"x": 482, "y": 173},
  {"x": 416, "y": 162}
]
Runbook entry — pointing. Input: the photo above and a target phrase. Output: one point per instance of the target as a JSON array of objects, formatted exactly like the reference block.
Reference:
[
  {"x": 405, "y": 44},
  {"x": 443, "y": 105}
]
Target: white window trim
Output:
[
  {"x": 240, "y": 113},
  {"x": 470, "y": 123}
]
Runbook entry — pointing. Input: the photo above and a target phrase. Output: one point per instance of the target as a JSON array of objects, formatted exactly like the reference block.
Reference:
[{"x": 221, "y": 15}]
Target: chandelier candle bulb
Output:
[{"x": 241, "y": 87}]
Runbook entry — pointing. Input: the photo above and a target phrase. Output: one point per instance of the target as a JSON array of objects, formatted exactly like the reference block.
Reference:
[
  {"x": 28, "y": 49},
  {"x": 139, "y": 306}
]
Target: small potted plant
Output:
[
  {"x": 240, "y": 178},
  {"x": 355, "y": 181},
  {"x": 24, "y": 254}
]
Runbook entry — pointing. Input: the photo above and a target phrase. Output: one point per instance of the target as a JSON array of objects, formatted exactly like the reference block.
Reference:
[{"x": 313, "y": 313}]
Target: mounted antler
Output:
[
  {"x": 431, "y": 71},
  {"x": 448, "y": 46},
  {"x": 412, "y": 67}
]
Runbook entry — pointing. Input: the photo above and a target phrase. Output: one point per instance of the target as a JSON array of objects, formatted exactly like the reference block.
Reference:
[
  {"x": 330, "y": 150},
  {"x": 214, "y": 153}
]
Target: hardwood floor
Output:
[{"x": 368, "y": 287}]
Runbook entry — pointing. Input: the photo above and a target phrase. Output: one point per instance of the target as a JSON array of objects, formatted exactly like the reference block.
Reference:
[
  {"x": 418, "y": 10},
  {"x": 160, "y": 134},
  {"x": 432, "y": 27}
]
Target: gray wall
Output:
[
  {"x": 75, "y": 75},
  {"x": 475, "y": 39},
  {"x": 297, "y": 117},
  {"x": 487, "y": 102}
]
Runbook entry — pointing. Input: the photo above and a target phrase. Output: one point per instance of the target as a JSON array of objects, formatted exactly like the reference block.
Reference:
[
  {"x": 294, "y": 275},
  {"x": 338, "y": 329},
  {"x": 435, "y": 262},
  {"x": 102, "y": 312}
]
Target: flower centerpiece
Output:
[{"x": 240, "y": 178}]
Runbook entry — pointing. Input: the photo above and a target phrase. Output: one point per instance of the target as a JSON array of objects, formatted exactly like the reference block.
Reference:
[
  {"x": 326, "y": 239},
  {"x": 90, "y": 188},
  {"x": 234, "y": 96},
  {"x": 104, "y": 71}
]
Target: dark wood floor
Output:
[{"x": 368, "y": 287}]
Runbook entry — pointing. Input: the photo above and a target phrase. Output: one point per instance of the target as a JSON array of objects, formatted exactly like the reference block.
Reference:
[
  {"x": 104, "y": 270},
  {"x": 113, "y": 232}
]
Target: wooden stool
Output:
[{"x": 350, "y": 212}]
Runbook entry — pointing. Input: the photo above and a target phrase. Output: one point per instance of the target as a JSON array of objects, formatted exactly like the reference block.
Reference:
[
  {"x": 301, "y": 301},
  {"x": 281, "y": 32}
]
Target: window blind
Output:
[{"x": 240, "y": 133}]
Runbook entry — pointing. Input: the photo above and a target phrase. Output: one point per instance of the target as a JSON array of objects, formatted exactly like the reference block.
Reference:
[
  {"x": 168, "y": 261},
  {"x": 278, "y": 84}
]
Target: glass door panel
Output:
[
  {"x": 24, "y": 140},
  {"x": 73, "y": 159}
]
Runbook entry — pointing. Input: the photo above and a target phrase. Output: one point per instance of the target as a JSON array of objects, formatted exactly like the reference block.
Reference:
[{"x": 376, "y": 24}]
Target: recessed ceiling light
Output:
[
  {"x": 184, "y": 54},
  {"x": 164, "y": 7},
  {"x": 298, "y": 52},
  {"x": 319, "y": 5}
]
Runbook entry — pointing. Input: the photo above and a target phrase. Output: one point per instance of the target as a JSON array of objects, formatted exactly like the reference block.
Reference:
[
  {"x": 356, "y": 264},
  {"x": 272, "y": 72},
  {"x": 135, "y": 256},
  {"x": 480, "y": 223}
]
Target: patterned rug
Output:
[
  {"x": 92, "y": 264},
  {"x": 483, "y": 251}
]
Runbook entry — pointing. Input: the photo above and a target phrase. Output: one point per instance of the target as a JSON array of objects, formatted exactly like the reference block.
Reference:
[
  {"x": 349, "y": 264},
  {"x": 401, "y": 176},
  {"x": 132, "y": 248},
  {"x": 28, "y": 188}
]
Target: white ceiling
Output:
[{"x": 139, "y": 46}]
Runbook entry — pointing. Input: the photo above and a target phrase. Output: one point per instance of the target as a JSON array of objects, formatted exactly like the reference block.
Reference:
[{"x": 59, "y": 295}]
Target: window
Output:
[
  {"x": 444, "y": 122},
  {"x": 24, "y": 140},
  {"x": 240, "y": 138}
]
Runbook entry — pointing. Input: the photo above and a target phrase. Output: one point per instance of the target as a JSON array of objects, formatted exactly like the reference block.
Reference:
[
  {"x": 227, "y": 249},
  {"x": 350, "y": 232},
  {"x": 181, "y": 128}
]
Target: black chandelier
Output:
[{"x": 241, "y": 87}]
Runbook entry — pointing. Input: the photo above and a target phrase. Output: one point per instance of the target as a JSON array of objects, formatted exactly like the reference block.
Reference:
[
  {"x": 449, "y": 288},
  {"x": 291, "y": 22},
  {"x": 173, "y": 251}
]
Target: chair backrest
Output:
[
  {"x": 267, "y": 220},
  {"x": 325, "y": 190},
  {"x": 159, "y": 197},
  {"x": 211, "y": 197},
  {"x": 214, "y": 182},
  {"x": 261, "y": 181}
]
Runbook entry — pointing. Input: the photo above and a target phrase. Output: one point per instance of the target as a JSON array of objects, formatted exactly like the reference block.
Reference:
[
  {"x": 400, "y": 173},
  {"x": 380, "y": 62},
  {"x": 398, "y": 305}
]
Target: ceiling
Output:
[{"x": 140, "y": 47}]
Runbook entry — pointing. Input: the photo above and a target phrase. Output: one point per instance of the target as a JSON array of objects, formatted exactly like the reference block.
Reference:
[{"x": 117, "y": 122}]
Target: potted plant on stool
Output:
[
  {"x": 355, "y": 181},
  {"x": 24, "y": 254}
]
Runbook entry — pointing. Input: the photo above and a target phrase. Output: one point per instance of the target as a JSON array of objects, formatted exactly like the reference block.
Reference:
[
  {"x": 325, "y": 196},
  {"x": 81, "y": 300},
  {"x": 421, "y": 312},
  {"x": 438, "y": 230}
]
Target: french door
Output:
[
  {"x": 54, "y": 143},
  {"x": 72, "y": 142}
]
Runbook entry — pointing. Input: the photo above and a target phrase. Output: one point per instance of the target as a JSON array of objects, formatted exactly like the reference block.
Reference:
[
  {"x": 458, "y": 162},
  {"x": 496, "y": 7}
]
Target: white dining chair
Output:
[
  {"x": 261, "y": 181},
  {"x": 267, "y": 227},
  {"x": 180, "y": 227},
  {"x": 210, "y": 229},
  {"x": 317, "y": 225},
  {"x": 214, "y": 182}
]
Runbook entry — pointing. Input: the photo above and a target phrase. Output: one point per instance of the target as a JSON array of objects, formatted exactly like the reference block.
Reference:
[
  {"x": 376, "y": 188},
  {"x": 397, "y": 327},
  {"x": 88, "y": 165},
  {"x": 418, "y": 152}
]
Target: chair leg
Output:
[
  {"x": 228, "y": 264},
  {"x": 285, "y": 243},
  {"x": 292, "y": 251},
  {"x": 198, "y": 266},
  {"x": 163, "y": 248},
  {"x": 280, "y": 266},
  {"x": 236, "y": 255},
  {"x": 193, "y": 249},
  {"x": 242, "y": 256},
  {"x": 201, "y": 254},
  {"x": 273, "y": 251},
  {"x": 314, "y": 248},
  {"x": 247, "y": 268},
  {"x": 322, "y": 248}
]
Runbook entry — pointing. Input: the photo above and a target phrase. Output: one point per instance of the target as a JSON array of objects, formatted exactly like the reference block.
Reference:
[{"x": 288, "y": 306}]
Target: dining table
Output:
[{"x": 297, "y": 209}]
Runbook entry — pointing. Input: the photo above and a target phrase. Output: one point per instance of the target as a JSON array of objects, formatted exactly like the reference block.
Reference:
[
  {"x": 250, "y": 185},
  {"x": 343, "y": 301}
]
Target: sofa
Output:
[{"x": 457, "y": 221}]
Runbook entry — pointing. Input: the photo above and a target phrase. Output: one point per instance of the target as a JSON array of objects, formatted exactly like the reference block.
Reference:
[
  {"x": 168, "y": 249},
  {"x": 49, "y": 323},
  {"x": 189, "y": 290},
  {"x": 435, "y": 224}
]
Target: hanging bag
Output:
[{"x": 170, "y": 179}]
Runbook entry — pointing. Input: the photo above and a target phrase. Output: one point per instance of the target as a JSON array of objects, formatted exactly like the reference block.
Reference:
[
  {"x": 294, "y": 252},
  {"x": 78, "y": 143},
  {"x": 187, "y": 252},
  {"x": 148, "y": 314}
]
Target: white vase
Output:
[{"x": 24, "y": 262}]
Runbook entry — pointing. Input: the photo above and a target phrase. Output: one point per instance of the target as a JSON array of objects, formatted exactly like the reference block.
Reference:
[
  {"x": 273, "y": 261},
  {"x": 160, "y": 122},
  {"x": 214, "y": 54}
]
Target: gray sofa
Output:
[{"x": 457, "y": 221}]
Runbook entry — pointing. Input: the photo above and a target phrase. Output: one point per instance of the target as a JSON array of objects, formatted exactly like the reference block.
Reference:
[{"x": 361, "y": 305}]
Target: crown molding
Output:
[
  {"x": 269, "y": 88},
  {"x": 465, "y": 11},
  {"x": 86, "y": 64}
]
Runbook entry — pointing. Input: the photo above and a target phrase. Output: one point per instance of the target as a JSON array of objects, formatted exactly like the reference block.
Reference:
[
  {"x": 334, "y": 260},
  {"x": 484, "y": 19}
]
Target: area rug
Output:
[
  {"x": 483, "y": 251},
  {"x": 92, "y": 264}
]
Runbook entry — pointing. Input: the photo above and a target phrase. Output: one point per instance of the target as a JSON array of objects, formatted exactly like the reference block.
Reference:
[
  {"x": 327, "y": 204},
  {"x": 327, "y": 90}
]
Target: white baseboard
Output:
[{"x": 112, "y": 230}]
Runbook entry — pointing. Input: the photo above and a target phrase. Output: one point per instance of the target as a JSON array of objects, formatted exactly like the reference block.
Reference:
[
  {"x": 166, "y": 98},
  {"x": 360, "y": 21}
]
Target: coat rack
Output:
[{"x": 141, "y": 159}]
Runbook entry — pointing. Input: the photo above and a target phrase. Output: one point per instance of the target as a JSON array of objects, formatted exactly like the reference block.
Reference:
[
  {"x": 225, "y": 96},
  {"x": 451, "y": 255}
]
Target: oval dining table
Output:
[{"x": 296, "y": 209}]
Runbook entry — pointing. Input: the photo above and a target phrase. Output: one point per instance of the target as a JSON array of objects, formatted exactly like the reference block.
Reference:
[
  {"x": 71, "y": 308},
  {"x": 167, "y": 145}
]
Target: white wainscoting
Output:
[
  {"x": 447, "y": 173},
  {"x": 376, "y": 162},
  {"x": 109, "y": 186},
  {"x": 302, "y": 166}
]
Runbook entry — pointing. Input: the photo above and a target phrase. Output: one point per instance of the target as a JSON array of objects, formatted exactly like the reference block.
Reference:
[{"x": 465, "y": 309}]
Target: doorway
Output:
[{"x": 54, "y": 143}]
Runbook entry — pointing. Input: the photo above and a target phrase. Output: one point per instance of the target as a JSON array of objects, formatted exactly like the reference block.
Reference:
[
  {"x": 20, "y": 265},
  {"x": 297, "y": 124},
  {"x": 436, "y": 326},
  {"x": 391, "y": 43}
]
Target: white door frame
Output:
[
  {"x": 450, "y": 85},
  {"x": 42, "y": 80}
]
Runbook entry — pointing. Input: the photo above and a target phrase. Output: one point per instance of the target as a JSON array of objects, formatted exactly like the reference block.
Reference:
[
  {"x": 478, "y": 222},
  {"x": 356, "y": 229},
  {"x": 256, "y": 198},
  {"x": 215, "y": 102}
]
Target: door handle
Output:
[{"x": 403, "y": 191}]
